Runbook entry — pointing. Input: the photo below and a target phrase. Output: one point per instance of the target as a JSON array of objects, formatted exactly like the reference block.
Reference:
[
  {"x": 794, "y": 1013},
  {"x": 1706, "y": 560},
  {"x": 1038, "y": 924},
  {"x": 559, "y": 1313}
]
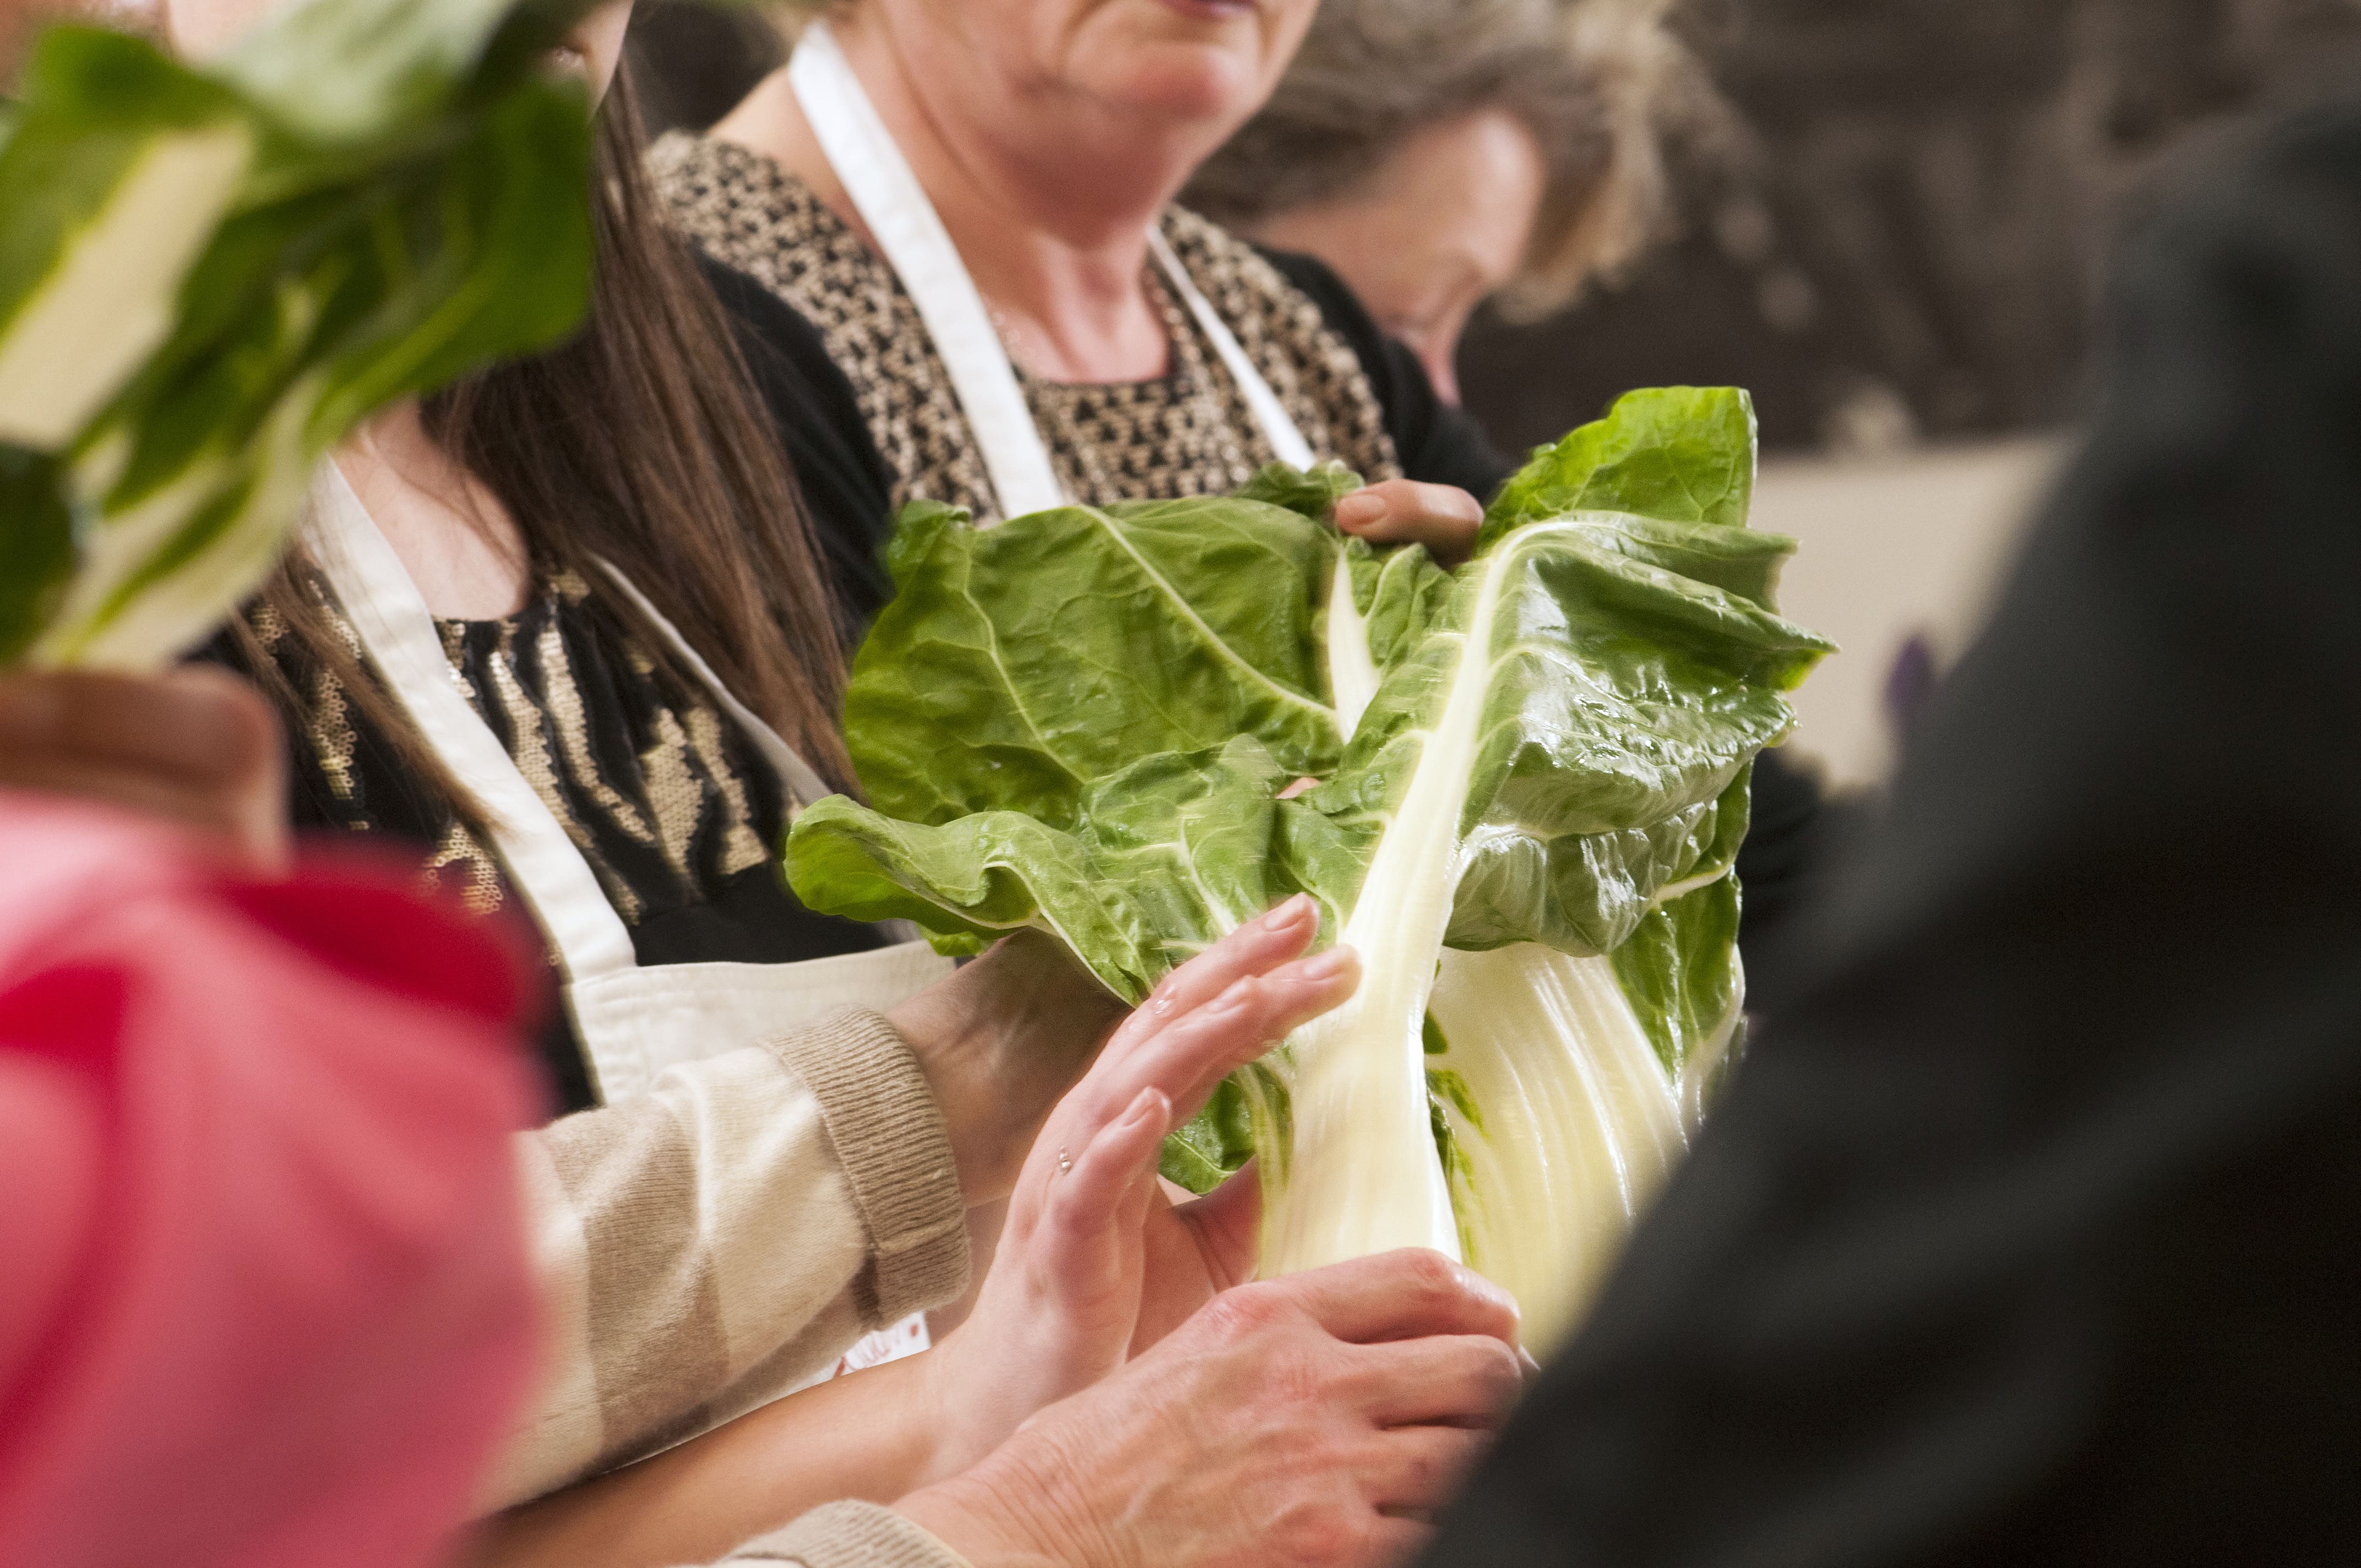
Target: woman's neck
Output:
[
  {"x": 457, "y": 541},
  {"x": 1055, "y": 243}
]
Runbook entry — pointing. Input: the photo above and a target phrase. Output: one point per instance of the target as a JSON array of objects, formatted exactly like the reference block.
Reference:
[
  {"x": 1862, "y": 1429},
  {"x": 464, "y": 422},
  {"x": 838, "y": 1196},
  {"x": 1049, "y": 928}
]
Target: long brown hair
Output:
[{"x": 641, "y": 443}]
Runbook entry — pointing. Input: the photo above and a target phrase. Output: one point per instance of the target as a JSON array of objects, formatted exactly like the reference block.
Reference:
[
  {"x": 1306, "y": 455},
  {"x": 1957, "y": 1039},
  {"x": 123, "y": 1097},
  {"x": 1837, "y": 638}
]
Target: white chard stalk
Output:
[
  {"x": 1352, "y": 671},
  {"x": 1364, "y": 1175},
  {"x": 111, "y": 299},
  {"x": 1567, "y": 1126}
]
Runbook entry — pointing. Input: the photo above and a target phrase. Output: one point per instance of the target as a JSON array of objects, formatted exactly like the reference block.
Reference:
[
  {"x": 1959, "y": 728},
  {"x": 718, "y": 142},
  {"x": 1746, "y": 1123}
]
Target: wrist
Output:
[
  {"x": 999, "y": 1043},
  {"x": 968, "y": 1411},
  {"x": 933, "y": 1419},
  {"x": 976, "y": 1517}
]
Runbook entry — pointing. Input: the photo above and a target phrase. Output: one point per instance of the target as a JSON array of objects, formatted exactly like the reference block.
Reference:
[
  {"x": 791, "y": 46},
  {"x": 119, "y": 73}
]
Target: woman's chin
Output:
[{"x": 1188, "y": 81}]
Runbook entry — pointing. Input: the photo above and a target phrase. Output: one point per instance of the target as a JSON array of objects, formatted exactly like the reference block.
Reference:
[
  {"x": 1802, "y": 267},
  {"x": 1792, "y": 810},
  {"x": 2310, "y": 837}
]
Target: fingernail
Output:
[
  {"x": 1326, "y": 965},
  {"x": 1292, "y": 912},
  {"x": 1359, "y": 510},
  {"x": 1498, "y": 1293},
  {"x": 30, "y": 708}
]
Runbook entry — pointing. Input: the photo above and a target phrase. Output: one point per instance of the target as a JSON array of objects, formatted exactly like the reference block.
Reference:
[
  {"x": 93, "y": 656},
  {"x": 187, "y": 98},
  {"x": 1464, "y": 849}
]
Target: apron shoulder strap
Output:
[
  {"x": 886, "y": 192},
  {"x": 802, "y": 784},
  {"x": 1277, "y": 425},
  {"x": 397, "y": 634},
  {"x": 894, "y": 204}
]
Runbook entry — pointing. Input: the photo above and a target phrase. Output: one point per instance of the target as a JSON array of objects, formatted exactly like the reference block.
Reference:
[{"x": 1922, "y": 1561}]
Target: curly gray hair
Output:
[{"x": 1599, "y": 82}]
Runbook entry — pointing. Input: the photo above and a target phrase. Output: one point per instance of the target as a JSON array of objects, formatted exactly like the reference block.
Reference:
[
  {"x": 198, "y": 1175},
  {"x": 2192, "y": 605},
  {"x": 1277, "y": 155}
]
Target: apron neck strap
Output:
[
  {"x": 1278, "y": 426},
  {"x": 398, "y": 633},
  {"x": 895, "y": 206},
  {"x": 885, "y": 192},
  {"x": 795, "y": 776}
]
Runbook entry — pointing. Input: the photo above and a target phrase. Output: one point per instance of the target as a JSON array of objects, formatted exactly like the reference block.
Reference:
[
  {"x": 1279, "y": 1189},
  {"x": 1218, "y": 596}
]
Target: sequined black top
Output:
[{"x": 676, "y": 814}]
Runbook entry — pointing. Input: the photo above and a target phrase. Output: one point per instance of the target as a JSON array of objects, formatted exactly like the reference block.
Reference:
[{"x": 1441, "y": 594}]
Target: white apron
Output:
[
  {"x": 633, "y": 1023},
  {"x": 896, "y": 209}
]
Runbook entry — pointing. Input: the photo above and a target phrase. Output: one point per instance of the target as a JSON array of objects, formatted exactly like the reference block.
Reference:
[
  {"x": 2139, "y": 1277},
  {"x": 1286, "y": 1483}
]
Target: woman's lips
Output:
[{"x": 1213, "y": 10}]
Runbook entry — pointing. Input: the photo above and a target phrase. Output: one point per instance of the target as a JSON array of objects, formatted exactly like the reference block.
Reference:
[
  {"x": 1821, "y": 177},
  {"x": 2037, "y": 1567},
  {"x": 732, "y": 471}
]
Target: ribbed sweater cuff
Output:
[
  {"x": 896, "y": 1153},
  {"x": 851, "y": 1535}
]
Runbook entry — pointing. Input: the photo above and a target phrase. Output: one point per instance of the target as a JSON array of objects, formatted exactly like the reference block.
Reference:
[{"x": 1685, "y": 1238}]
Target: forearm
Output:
[{"x": 867, "y": 1436}]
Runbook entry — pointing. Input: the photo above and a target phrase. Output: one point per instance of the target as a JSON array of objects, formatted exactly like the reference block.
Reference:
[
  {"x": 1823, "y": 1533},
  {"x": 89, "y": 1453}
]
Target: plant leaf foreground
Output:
[{"x": 210, "y": 274}]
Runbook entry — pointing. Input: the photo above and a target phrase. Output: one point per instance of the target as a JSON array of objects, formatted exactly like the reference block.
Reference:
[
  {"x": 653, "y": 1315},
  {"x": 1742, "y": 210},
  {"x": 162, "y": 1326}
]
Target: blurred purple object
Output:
[{"x": 1910, "y": 685}]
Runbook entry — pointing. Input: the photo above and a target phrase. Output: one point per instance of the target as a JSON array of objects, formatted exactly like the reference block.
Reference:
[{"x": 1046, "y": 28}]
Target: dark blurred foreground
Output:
[{"x": 2024, "y": 1236}]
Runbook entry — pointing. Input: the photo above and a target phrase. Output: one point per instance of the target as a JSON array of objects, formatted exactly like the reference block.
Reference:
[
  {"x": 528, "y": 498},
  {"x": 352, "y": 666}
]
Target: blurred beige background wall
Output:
[{"x": 1889, "y": 549}]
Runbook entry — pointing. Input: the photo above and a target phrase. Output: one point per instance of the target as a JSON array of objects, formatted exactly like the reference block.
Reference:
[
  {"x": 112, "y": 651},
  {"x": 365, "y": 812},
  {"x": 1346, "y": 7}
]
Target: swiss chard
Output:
[{"x": 1531, "y": 779}]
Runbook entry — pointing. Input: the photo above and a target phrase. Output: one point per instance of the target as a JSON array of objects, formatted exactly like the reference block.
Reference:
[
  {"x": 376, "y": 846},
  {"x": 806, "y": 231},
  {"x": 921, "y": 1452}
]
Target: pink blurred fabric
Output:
[{"x": 263, "y": 1298}]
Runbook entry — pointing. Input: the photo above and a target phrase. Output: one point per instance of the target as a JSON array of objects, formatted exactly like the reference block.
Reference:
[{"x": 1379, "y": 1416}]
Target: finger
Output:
[
  {"x": 1255, "y": 947},
  {"x": 241, "y": 726},
  {"x": 1418, "y": 1468},
  {"x": 1444, "y": 517},
  {"x": 1461, "y": 1380},
  {"x": 1395, "y": 1541},
  {"x": 1406, "y": 1294},
  {"x": 1192, "y": 1054},
  {"x": 1088, "y": 1201},
  {"x": 1198, "y": 1049},
  {"x": 214, "y": 813},
  {"x": 198, "y": 726}
]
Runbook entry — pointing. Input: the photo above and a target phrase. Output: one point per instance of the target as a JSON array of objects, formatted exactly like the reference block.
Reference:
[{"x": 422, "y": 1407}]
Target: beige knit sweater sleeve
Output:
[
  {"x": 850, "y": 1535},
  {"x": 712, "y": 1244}
]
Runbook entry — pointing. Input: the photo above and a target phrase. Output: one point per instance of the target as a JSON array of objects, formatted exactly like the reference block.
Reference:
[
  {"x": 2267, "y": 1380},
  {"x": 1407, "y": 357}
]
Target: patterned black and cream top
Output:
[
  {"x": 667, "y": 800},
  {"x": 1186, "y": 433}
]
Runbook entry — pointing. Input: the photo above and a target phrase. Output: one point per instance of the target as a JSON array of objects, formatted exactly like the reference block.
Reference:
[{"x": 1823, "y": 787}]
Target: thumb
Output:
[{"x": 1227, "y": 1222}]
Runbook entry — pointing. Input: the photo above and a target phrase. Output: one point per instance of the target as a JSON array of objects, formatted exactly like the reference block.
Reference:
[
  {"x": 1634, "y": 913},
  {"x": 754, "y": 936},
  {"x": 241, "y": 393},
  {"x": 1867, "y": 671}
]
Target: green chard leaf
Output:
[
  {"x": 1161, "y": 859},
  {"x": 36, "y": 540},
  {"x": 1313, "y": 492},
  {"x": 1016, "y": 666},
  {"x": 1680, "y": 971},
  {"x": 1677, "y": 454}
]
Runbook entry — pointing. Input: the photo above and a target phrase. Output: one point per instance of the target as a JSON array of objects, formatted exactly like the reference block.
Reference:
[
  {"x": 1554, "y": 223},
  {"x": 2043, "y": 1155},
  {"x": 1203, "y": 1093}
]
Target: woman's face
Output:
[
  {"x": 1207, "y": 64},
  {"x": 1432, "y": 233},
  {"x": 201, "y": 27}
]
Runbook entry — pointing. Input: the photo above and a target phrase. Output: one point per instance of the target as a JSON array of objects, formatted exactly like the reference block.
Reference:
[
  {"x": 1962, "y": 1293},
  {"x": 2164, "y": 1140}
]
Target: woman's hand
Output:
[
  {"x": 1000, "y": 1042},
  {"x": 1314, "y": 1421},
  {"x": 1089, "y": 1234},
  {"x": 196, "y": 746},
  {"x": 1444, "y": 517}
]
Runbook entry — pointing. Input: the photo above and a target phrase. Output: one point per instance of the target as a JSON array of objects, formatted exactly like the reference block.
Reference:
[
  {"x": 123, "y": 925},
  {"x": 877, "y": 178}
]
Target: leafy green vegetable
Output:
[
  {"x": 1680, "y": 454},
  {"x": 1530, "y": 790},
  {"x": 1313, "y": 493},
  {"x": 1159, "y": 861},
  {"x": 1016, "y": 666},
  {"x": 1565, "y": 1122},
  {"x": 209, "y": 275},
  {"x": 36, "y": 539}
]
